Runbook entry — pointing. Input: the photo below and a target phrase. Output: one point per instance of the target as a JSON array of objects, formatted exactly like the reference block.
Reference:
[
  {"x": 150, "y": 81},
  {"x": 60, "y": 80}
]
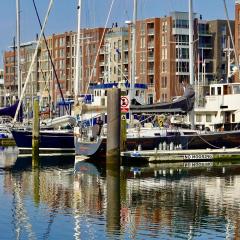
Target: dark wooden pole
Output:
[
  {"x": 113, "y": 122},
  {"x": 113, "y": 160}
]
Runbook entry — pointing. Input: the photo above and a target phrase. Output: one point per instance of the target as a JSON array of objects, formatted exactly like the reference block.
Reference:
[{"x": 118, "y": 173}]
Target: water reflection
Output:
[
  {"x": 8, "y": 156},
  {"x": 189, "y": 201}
]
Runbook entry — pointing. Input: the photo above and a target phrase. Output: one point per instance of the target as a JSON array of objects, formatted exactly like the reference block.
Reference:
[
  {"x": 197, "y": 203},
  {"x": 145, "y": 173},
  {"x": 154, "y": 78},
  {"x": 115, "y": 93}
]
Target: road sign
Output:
[{"x": 124, "y": 104}]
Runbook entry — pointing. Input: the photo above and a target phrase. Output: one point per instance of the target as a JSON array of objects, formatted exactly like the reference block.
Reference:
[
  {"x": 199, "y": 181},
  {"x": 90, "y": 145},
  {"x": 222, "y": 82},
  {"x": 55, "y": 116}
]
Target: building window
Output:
[
  {"x": 164, "y": 97},
  {"x": 164, "y": 66},
  {"x": 164, "y": 26},
  {"x": 150, "y": 98},
  {"x": 164, "y": 82},
  {"x": 164, "y": 42},
  {"x": 143, "y": 43}
]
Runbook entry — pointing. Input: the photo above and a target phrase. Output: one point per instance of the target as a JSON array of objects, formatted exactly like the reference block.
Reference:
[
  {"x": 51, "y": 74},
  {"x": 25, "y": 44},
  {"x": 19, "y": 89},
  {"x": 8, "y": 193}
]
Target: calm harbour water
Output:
[{"x": 154, "y": 201}]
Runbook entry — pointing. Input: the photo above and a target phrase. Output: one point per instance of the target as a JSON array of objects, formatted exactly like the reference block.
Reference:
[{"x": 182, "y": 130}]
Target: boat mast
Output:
[
  {"x": 18, "y": 47},
  {"x": 78, "y": 83},
  {"x": 133, "y": 55},
  {"x": 191, "y": 63},
  {"x": 133, "y": 46}
]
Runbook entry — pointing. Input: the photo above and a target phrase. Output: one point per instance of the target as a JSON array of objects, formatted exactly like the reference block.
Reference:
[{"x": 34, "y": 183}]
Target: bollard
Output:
[{"x": 35, "y": 134}]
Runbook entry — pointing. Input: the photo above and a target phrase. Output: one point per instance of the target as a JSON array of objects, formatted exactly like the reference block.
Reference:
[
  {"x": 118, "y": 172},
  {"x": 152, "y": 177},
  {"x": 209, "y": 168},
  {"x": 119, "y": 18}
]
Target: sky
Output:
[{"x": 63, "y": 16}]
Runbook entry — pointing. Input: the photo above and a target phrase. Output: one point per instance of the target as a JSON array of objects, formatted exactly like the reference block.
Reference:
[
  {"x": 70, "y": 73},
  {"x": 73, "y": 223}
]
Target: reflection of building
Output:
[{"x": 169, "y": 200}]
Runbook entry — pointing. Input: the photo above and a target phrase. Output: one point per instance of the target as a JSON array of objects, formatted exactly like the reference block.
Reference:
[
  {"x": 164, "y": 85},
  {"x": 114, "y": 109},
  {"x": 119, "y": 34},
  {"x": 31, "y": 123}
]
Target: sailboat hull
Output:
[
  {"x": 49, "y": 140},
  {"x": 211, "y": 140}
]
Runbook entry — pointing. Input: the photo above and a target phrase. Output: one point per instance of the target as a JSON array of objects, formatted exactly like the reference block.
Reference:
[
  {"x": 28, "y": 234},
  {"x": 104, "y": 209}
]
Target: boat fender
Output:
[
  {"x": 160, "y": 121},
  {"x": 77, "y": 131}
]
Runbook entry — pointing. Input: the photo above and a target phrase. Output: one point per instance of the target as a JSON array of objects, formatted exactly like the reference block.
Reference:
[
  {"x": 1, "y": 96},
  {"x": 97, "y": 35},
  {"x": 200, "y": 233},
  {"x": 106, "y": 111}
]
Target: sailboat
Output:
[{"x": 51, "y": 139}]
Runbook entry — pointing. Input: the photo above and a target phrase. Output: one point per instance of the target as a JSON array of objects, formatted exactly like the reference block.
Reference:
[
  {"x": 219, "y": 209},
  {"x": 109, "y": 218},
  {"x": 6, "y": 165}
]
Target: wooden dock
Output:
[{"x": 183, "y": 155}]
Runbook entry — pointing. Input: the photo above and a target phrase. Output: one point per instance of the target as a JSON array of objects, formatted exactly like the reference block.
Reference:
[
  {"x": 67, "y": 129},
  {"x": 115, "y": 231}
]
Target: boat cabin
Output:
[
  {"x": 217, "y": 107},
  {"x": 98, "y": 94}
]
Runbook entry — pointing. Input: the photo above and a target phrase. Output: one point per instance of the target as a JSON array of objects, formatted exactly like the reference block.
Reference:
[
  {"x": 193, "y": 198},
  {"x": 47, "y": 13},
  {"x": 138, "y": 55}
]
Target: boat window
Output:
[
  {"x": 198, "y": 118},
  {"x": 157, "y": 134},
  {"x": 233, "y": 117},
  {"x": 189, "y": 133},
  {"x": 173, "y": 133},
  {"x": 212, "y": 91},
  {"x": 137, "y": 93},
  {"x": 105, "y": 93},
  {"x": 208, "y": 117},
  {"x": 236, "y": 89},
  {"x": 219, "y": 90}
]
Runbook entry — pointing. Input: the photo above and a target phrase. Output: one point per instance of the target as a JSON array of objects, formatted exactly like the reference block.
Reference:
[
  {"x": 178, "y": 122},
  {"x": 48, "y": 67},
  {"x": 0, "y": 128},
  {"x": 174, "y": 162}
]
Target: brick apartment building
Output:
[
  {"x": 162, "y": 57},
  {"x": 10, "y": 72},
  {"x": 237, "y": 34}
]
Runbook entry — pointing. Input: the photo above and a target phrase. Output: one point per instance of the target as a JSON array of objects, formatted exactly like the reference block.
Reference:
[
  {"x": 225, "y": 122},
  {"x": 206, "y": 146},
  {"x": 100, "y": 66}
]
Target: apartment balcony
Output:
[
  {"x": 151, "y": 71},
  {"x": 68, "y": 43},
  {"x": 150, "y": 86},
  {"x": 150, "y": 31},
  {"x": 102, "y": 51},
  {"x": 101, "y": 63},
  {"x": 150, "y": 58},
  {"x": 205, "y": 46},
  {"x": 151, "y": 44}
]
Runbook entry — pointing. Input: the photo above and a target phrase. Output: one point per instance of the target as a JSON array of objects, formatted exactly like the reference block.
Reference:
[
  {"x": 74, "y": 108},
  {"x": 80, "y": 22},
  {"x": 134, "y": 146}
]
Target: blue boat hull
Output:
[{"x": 57, "y": 141}]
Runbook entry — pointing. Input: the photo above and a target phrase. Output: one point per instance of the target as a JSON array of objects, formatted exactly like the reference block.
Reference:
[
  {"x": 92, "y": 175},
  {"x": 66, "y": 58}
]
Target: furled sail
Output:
[
  {"x": 184, "y": 104},
  {"x": 11, "y": 110}
]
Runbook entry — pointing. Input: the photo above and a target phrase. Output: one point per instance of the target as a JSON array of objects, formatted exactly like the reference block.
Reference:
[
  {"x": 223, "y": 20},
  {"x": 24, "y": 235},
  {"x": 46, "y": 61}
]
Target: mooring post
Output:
[
  {"x": 35, "y": 134},
  {"x": 113, "y": 159},
  {"x": 113, "y": 123}
]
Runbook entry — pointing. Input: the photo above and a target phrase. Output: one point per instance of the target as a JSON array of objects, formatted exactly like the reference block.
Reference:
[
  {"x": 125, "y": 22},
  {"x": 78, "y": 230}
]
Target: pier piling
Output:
[
  {"x": 113, "y": 159},
  {"x": 114, "y": 123},
  {"x": 35, "y": 134}
]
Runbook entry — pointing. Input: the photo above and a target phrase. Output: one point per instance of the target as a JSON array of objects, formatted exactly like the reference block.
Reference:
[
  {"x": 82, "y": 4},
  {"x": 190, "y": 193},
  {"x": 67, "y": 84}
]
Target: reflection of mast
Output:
[{"x": 21, "y": 217}]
